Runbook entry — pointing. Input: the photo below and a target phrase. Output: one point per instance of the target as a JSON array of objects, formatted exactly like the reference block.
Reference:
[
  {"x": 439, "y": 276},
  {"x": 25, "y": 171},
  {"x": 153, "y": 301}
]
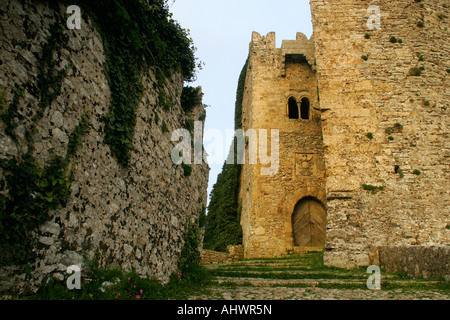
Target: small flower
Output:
[
  {"x": 141, "y": 291},
  {"x": 138, "y": 296}
]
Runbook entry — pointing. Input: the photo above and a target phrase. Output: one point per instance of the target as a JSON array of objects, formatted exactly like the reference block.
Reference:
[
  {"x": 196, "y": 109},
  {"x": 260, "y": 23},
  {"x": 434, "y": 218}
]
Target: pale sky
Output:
[{"x": 221, "y": 31}]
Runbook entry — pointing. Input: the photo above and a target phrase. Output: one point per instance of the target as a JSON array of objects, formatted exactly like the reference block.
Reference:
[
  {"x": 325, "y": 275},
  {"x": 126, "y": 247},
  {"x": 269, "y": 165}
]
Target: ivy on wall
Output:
[
  {"x": 32, "y": 189},
  {"x": 137, "y": 35}
]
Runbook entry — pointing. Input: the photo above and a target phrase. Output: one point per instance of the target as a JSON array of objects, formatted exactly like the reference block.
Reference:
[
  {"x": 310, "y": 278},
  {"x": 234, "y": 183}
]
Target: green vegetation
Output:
[
  {"x": 187, "y": 169},
  {"x": 311, "y": 272},
  {"x": 9, "y": 113},
  {"x": 164, "y": 102},
  {"x": 308, "y": 269},
  {"x": 369, "y": 135},
  {"x": 223, "y": 220},
  {"x": 190, "y": 97},
  {"x": 393, "y": 40},
  {"x": 417, "y": 172},
  {"x": 397, "y": 128},
  {"x": 239, "y": 97},
  {"x": 33, "y": 189},
  {"x": 189, "y": 125},
  {"x": 415, "y": 72},
  {"x": 399, "y": 171},
  {"x": 365, "y": 58},
  {"x": 373, "y": 189},
  {"x": 138, "y": 35},
  {"x": 164, "y": 127},
  {"x": 115, "y": 284}
]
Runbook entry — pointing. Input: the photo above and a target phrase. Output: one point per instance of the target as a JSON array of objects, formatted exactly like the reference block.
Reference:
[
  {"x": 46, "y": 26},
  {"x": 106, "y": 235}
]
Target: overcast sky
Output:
[{"x": 221, "y": 31}]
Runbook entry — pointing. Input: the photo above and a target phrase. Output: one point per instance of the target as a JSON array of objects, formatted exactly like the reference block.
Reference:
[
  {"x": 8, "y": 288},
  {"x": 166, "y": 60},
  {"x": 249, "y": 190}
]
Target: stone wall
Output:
[
  {"x": 132, "y": 217},
  {"x": 274, "y": 75},
  {"x": 384, "y": 95},
  {"x": 417, "y": 261},
  {"x": 235, "y": 253}
]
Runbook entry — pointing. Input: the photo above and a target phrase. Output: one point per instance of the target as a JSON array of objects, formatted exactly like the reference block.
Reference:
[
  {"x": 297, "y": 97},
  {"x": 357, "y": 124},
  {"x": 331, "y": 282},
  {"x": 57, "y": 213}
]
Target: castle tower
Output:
[
  {"x": 287, "y": 208},
  {"x": 383, "y": 72},
  {"x": 373, "y": 149}
]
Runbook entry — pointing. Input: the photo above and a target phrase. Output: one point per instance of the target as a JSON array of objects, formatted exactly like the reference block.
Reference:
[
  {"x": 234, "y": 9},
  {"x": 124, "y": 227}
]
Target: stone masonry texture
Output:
[
  {"x": 380, "y": 100},
  {"x": 274, "y": 76},
  {"x": 405, "y": 110},
  {"x": 134, "y": 217}
]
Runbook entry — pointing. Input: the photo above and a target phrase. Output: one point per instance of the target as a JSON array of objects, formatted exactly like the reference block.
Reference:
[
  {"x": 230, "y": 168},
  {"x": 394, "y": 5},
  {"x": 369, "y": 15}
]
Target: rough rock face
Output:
[
  {"x": 132, "y": 217},
  {"x": 417, "y": 261}
]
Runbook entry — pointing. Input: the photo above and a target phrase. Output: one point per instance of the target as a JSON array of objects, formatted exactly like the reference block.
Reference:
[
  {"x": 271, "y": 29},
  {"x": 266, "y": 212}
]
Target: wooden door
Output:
[{"x": 309, "y": 222}]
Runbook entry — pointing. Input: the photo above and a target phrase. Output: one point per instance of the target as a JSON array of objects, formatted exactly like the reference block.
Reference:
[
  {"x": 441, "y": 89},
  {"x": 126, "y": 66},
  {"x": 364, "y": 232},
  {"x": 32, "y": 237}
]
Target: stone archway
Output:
[{"x": 309, "y": 221}]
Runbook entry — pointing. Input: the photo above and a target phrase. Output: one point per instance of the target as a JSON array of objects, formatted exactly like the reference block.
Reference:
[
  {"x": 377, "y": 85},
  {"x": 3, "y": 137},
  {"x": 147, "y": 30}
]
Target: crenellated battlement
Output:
[{"x": 300, "y": 49}]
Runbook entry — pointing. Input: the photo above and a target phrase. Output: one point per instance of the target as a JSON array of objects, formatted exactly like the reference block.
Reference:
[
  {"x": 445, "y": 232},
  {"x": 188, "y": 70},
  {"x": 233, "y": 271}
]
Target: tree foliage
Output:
[{"x": 223, "y": 220}]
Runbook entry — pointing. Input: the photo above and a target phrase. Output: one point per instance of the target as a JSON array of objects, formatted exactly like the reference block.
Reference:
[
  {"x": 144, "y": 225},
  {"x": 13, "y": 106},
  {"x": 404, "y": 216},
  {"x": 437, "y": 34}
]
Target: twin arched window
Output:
[{"x": 295, "y": 112}]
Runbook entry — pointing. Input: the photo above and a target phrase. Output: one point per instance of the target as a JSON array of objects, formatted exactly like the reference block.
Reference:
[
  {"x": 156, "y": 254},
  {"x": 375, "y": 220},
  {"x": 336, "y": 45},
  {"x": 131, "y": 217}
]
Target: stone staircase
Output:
[{"x": 302, "y": 276}]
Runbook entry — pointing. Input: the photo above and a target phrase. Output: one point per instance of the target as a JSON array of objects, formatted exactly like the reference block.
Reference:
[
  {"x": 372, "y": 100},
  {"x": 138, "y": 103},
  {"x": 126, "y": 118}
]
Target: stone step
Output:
[
  {"x": 312, "y": 274},
  {"x": 304, "y": 277},
  {"x": 306, "y": 282},
  {"x": 263, "y": 282},
  {"x": 266, "y": 263}
]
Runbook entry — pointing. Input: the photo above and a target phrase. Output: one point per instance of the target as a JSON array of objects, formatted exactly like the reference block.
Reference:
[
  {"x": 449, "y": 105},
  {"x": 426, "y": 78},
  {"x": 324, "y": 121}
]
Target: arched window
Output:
[
  {"x": 304, "y": 109},
  {"x": 293, "y": 108}
]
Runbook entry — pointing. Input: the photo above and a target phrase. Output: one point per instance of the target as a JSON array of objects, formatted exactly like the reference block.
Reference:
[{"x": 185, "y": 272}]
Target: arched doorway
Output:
[{"x": 309, "y": 222}]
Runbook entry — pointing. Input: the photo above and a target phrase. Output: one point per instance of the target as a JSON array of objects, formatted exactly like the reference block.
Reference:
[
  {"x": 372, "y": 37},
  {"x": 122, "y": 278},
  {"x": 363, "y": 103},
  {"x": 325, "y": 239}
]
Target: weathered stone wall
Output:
[
  {"x": 133, "y": 217},
  {"x": 235, "y": 253},
  {"x": 430, "y": 261},
  {"x": 385, "y": 118},
  {"x": 273, "y": 76},
  {"x": 213, "y": 257}
]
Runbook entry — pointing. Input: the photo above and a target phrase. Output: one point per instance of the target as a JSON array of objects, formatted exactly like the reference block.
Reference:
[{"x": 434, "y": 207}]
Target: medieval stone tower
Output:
[
  {"x": 287, "y": 208},
  {"x": 362, "y": 112}
]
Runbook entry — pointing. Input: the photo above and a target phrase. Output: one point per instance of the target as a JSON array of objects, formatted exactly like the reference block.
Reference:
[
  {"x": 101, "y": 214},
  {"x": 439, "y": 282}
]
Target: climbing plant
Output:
[
  {"x": 223, "y": 220},
  {"x": 137, "y": 35},
  {"x": 30, "y": 189}
]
